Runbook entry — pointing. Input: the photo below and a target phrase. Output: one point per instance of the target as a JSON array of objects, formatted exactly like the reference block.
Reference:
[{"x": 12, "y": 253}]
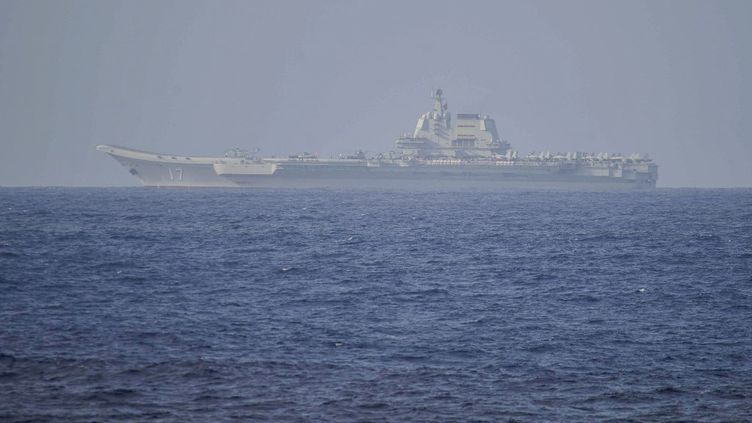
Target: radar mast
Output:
[{"x": 441, "y": 109}]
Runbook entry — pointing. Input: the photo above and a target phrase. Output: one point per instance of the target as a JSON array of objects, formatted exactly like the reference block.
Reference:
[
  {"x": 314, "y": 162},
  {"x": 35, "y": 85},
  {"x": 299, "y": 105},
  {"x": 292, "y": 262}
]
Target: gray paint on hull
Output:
[{"x": 160, "y": 174}]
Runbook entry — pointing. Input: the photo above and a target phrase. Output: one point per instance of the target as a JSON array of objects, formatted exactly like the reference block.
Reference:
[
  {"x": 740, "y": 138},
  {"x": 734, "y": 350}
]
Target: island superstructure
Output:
[{"x": 467, "y": 153}]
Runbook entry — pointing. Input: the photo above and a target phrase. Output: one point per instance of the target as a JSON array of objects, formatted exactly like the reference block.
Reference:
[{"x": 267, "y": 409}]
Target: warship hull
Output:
[
  {"x": 159, "y": 170},
  {"x": 163, "y": 170},
  {"x": 438, "y": 155}
]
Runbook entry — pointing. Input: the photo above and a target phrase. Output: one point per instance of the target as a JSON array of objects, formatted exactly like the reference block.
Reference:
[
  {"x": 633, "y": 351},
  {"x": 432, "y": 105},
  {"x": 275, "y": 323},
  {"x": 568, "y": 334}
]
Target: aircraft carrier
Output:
[{"x": 465, "y": 154}]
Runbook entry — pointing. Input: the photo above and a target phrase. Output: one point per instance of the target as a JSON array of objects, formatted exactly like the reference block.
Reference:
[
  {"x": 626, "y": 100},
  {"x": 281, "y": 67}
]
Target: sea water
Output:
[{"x": 291, "y": 305}]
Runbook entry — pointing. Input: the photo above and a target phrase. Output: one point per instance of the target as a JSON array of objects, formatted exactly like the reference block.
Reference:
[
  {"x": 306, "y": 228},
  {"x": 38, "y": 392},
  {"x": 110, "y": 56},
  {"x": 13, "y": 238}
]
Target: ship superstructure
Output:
[
  {"x": 474, "y": 136},
  {"x": 467, "y": 153}
]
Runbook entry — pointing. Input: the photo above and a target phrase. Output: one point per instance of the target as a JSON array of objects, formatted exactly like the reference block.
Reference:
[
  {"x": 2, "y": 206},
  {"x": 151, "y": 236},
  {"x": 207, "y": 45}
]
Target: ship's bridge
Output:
[{"x": 474, "y": 135}]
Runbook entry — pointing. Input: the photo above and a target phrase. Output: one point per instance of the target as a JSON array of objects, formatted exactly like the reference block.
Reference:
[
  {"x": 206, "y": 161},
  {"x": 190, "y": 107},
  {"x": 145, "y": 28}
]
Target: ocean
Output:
[{"x": 136, "y": 304}]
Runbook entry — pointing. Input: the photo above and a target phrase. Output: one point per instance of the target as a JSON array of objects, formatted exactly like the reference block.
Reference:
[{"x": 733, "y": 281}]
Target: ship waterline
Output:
[{"x": 437, "y": 155}]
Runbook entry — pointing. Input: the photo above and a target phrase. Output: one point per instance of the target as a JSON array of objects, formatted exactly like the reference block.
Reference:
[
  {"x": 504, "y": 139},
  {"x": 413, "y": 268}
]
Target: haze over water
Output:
[
  {"x": 133, "y": 304},
  {"x": 294, "y": 305},
  {"x": 666, "y": 78}
]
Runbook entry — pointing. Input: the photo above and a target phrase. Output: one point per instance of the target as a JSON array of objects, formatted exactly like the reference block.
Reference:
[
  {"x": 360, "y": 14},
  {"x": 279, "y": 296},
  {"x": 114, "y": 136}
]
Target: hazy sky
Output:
[{"x": 668, "y": 78}]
